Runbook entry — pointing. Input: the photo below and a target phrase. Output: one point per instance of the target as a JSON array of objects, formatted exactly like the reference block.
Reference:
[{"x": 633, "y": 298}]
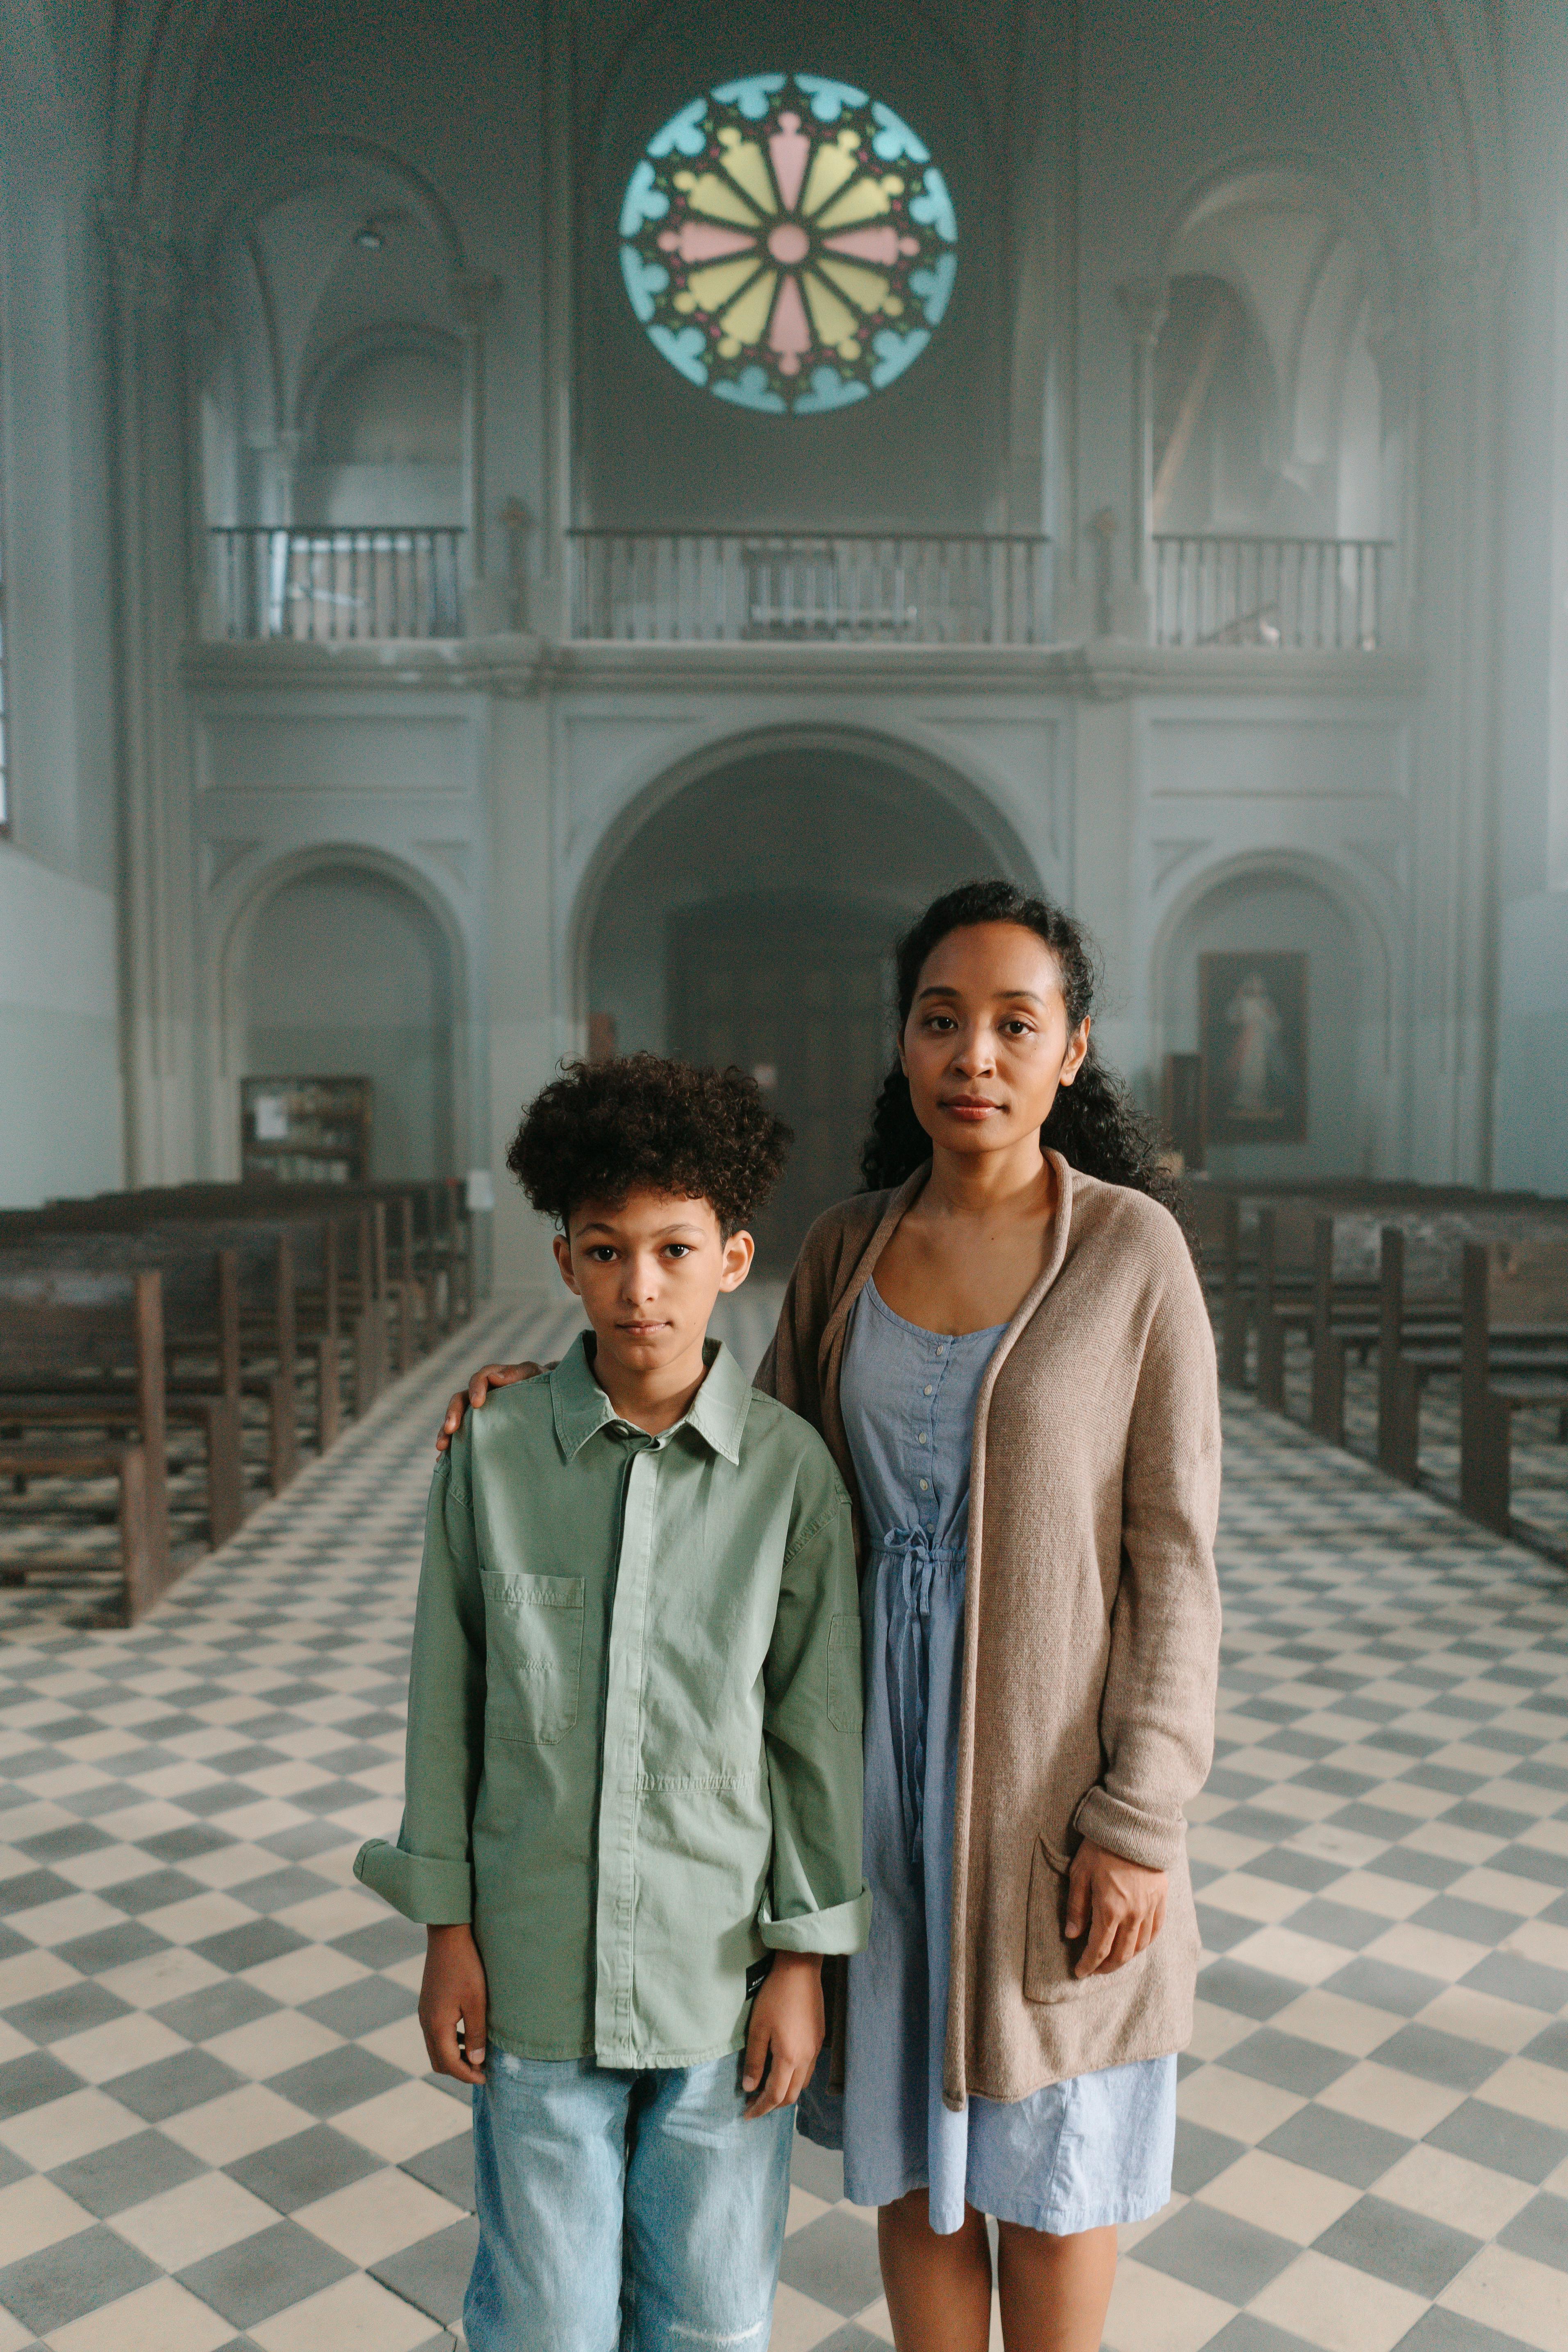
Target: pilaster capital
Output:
[
  {"x": 147, "y": 267},
  {"x": 475, "y": 293},
  {"x": 1146, "y": 302}
]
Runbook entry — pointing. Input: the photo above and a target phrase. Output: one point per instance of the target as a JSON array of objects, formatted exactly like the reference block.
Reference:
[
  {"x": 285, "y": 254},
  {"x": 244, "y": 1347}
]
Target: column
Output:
[
  {"x": 1454, "y": 784},
  {"x": 1144, "y": 299},
  {"x": 151, "y": 592},
  {"x": 488, "y": 606}
]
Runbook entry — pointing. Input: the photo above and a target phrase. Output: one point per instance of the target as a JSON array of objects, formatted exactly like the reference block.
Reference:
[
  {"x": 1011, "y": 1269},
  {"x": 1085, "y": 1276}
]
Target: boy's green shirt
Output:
[{"x": 634, "y": 1714}]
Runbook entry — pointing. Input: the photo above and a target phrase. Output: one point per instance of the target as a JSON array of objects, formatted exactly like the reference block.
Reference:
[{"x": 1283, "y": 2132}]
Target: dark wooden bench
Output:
[{"x": 54, "y": 1321}]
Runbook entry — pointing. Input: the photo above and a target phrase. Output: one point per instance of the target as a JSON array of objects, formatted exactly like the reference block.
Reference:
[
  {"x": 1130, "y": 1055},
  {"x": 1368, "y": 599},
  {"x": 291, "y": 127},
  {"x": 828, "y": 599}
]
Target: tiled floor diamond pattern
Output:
[{"x": 216, "y": 2127}]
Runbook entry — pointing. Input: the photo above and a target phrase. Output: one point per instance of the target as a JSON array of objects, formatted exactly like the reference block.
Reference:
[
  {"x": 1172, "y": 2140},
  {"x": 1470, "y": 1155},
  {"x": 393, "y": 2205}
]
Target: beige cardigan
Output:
[{"x": 1091, "y": 1624}]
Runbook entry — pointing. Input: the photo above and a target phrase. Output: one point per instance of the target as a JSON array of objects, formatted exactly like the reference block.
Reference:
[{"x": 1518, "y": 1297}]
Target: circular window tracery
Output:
[{"x": 787, "y": 243}]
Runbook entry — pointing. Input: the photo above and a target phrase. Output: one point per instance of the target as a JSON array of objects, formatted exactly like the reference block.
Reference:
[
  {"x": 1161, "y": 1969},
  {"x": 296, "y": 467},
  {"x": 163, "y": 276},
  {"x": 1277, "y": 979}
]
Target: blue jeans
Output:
[{"x": 622, "y": 2212}]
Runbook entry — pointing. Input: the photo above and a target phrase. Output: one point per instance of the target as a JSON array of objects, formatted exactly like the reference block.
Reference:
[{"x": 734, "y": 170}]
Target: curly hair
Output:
[
  {"x": 605, "y": 1130},
  {"x": 1092, "y": 1123}
]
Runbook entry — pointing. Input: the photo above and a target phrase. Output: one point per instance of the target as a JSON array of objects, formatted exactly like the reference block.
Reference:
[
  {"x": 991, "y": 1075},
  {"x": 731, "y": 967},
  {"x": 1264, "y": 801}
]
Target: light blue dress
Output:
[{"x": 1076, "y": 2155}]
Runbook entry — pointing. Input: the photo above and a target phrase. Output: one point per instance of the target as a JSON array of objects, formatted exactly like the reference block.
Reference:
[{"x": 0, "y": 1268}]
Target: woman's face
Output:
[{"x": 987, "y": 1041}]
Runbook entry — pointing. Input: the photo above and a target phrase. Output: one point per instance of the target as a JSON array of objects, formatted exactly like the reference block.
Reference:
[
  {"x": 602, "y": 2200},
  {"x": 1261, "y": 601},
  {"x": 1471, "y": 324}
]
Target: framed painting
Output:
[{"x": 1254, "y": 1046}]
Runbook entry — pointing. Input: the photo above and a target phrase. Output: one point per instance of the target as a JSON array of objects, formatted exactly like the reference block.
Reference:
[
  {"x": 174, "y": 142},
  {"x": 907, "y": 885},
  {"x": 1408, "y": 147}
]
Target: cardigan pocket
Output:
[
  {"x": 1048, "y": 1958},
  {"x": 533, "y": 1634}
]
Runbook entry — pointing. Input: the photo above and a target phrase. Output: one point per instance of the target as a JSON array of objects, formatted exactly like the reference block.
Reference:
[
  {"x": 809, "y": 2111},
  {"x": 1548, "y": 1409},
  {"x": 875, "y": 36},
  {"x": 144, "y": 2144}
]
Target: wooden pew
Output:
[
  {"x": 265, "y": 1253},
  {"x": 52, "y": 1321},
  {"x": 200, "y": 1314},
  {"x": 1515, "y": 1292}
]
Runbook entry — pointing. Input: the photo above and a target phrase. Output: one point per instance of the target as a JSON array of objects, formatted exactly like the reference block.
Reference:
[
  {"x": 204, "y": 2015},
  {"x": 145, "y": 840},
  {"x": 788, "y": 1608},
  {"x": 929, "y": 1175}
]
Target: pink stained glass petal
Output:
[
  {"x": 868, "y": 244},
  {"x": 700, "y": 241},
  {"x": 790, "y": 150},
  {"x": 790, "y": 333}
]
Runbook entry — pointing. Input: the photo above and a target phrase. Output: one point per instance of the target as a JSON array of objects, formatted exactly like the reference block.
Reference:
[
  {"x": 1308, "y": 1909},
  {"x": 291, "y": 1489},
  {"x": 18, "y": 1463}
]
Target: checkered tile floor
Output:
[
  {"x": 1539, "y": 1493},
  {"x": 216, "y": 2127}
]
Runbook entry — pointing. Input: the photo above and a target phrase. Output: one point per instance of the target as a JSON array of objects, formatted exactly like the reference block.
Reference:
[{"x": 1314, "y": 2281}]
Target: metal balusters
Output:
[
  {"x": 718, "y": 586},
  {"x": 329, "y": 584},
  {"x": 1213, "y": 588}
]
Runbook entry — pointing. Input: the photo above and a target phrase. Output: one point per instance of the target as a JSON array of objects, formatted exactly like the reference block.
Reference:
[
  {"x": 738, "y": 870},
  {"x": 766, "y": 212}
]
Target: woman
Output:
[{"x": 1005, "y": 1347}]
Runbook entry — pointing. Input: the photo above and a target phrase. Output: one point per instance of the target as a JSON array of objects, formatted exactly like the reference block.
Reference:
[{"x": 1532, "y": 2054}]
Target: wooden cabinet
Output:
[{"x": 305, "y": 1130}]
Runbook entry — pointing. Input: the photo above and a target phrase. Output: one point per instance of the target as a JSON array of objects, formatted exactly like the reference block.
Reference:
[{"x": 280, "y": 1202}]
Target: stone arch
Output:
[
  {"x": 387, "y": 337},
  {"x": 665, "y": 780},
  {"x": 1320, "y": 278},
  {"x": 289, "y": 166},
  {"x": 1369, "y": 1136},
  {"x": 764, "y": 883},
  {"x": 356, "y": 862}
]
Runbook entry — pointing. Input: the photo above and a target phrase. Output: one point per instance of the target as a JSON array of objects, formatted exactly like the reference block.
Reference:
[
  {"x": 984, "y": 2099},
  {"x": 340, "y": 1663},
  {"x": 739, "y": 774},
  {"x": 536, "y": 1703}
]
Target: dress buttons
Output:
[
  {"x": 927, "y": 1388},
  {"x": 925, "y": 1486},
  {"x": 923, "y": 1438},
  {"x": 942, "y": 1352}
]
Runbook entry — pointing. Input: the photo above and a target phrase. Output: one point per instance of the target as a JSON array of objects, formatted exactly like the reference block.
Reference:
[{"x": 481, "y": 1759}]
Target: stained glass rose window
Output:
[{"x": 788, "y": 243}]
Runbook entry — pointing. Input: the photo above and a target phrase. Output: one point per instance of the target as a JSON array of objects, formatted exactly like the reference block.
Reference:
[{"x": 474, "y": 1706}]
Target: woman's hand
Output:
[
  {"x": 493, "y": 1376},
  {"x": 452, "y": 2002},
  {"x": 1119, "y": 1904},
  {"x": 788, "y": 2026}
]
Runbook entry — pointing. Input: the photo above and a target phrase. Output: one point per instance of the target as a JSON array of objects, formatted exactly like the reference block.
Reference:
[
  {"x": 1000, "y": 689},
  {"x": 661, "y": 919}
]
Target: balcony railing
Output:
[
  {"x": 1290, "y": 593},
  {"x": 334, "y": 585},
  {"x": 732, "y": 586}
]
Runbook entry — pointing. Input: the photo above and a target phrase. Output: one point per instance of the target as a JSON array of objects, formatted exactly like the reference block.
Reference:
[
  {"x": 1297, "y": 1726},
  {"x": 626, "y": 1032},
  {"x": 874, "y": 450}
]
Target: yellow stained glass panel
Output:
[
  {"x": 720, "y": 201},
  {"x": 747, "y": 168},
  {"x": 746, "y": 317},
  {"x": 834, "y": 322},
  {"x": 830, "y": 167},
  {"x": 861, "y": 201},
  {"x": 714, "y": 287},
  {"x": 866, "y": 287}
]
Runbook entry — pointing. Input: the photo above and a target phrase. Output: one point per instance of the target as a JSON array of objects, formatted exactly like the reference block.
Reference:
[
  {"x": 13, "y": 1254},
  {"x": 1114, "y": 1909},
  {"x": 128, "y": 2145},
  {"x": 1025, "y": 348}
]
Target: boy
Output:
[{"x": 633, "y": 1799}]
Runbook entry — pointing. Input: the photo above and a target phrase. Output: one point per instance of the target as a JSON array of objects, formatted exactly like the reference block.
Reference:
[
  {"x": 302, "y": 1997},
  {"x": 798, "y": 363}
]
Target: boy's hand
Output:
[
  {"x": 1121, "y": 1904},
  {"x": 787, "y": 2027},
  {"x": 454, "y": 1995},
  {"x": 493, "y": 1376}
]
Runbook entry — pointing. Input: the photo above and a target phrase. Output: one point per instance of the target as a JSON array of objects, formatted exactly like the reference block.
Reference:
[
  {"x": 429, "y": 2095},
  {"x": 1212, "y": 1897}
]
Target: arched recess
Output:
[
  {"x": 344, "y": 962},
  {"x": 743, "y": 908},
  {"x": 319, "y": 255},
  {"x": 1272, "y": 901},
  {"x": 1284, "y": 285}
]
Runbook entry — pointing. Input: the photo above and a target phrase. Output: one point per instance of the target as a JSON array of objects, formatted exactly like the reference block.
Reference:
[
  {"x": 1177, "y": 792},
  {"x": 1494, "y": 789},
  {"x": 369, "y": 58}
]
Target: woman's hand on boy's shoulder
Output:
[{"x": 492, "y": 1376}]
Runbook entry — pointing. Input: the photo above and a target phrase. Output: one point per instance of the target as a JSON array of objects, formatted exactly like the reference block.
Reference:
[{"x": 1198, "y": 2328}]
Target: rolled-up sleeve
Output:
[
  {"x": 428, "y": 1873},
  {"x": 817, "y": 1899},
  {"x": 1158, "y": 1711}
]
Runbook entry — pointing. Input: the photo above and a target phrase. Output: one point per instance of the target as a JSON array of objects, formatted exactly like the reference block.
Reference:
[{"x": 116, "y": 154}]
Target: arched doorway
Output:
[
  {"x": 1276, "y": 913},
  {"x": 348, "y": 974},
  {"x": 751, "y": 920}
]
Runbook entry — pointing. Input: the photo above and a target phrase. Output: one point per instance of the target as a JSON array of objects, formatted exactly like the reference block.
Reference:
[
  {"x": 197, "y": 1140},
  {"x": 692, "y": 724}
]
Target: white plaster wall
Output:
[
  {"x": 1532, "y": 1044},
  {"x": 1245, "y": 810},
  {"x": 1531, "y": 1130},
  {"x": 59, "y": 1067},
  {"x": 394, "y": 787},
  {"x": 60, "y": 1124}
]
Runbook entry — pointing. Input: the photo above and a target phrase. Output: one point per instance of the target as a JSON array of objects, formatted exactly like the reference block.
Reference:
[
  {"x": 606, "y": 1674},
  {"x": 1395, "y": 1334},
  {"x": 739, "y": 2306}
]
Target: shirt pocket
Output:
[
  {"x": 844, "y": 1700},
  {"x": 533, "y": 1634},
  {"x": 1048, "y": 1959}
]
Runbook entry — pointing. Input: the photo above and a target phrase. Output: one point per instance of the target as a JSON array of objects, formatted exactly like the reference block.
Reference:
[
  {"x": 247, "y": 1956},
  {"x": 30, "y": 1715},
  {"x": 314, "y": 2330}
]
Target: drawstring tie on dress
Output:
[{"x": 909, "y": 1667}]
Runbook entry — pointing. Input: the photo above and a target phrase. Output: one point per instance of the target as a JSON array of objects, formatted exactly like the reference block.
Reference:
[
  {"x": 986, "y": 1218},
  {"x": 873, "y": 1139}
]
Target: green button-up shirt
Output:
[{"x": 634, "y": 1714}]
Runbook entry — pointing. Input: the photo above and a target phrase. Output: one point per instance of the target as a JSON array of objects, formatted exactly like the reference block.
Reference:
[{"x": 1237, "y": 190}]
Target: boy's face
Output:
[{"x": 648, "y": 1271}]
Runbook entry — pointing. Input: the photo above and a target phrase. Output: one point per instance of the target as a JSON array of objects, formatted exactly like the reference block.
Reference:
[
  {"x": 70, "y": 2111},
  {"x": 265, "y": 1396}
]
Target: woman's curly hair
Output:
[
  {"x": 1093, "y": 1123},
  {"x": 605, "y": 1130}
]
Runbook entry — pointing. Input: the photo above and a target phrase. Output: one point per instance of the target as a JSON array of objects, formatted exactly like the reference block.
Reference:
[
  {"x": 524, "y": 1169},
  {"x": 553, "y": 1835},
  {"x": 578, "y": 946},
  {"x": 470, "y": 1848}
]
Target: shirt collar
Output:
[{"x": 717, "y": 1413}]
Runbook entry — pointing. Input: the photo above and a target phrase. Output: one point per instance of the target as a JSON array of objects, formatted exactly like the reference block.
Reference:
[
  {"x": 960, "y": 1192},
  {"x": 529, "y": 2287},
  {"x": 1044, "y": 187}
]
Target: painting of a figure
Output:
[{"x": 1255, "y": 1047}]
